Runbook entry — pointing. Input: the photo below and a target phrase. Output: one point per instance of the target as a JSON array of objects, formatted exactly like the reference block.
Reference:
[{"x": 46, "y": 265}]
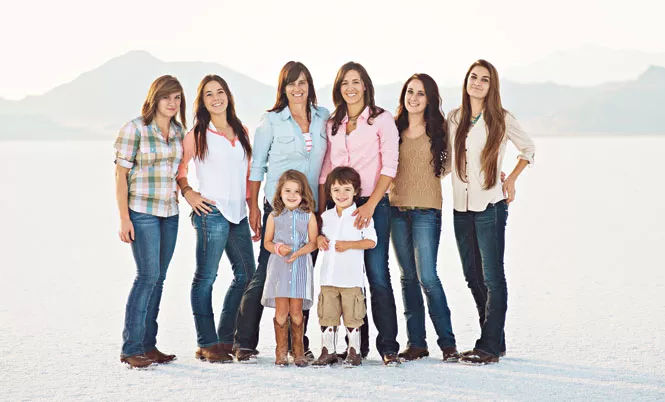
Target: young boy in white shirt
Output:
[{"x": 343, "y": 271}]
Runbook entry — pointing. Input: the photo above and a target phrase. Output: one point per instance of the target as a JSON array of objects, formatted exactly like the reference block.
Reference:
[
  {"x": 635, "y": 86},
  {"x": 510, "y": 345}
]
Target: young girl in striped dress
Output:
[{"x": 290, "y": 237}]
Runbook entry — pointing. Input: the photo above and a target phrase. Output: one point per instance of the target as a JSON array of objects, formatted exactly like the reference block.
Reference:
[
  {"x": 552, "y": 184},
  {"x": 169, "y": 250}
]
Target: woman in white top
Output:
[
  {"x": 220, "y": 148},
  {"x": 479, "y": 130}
]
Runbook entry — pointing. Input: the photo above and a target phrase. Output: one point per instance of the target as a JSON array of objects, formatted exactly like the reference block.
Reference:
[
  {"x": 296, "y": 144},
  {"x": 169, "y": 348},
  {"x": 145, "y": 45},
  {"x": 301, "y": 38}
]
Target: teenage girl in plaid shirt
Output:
[{"x": 148, "y": 152}]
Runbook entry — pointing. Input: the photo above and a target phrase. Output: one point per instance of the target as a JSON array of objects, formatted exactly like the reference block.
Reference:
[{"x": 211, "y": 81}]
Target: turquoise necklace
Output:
[{"x": 475, "y": 119}]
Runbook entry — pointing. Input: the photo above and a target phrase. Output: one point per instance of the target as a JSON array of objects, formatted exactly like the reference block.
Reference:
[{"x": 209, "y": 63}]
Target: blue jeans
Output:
[
  {"x": 153, "y": 245},
  {"x": 415, "y": 235},
  {"x": 384, "y": 312},
  {"x": 214, "y": 235},
  {"x": 251, "y": 309},
  {"x": 481, "y": 242}
]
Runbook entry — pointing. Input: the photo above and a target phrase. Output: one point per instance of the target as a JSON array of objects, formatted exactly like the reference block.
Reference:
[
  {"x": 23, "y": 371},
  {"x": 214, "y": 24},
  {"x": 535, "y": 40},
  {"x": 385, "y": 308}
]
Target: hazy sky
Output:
[{"x": 47, "y": 43}]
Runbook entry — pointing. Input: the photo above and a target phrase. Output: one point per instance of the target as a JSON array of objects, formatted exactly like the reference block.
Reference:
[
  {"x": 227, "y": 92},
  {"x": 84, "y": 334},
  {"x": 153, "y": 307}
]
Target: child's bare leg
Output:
[
  {"x": 282, "y": 309},
  {"x": 295, "y": 310}
]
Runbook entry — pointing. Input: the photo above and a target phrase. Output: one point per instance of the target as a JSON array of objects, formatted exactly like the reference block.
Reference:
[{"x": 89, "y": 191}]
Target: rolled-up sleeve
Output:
[
  {"x": 369, "y": 233},
  {"x": 127, "y": 145},
  {"x": 520, "y": 139},
  {"x": 262, "y": 142},
  {"x": 389, "y": 142}
]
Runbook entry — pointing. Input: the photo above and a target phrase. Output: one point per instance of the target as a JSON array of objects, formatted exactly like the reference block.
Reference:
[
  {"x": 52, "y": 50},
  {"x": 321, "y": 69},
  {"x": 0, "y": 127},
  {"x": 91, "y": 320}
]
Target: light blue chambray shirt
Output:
[{"x": 279, "y": 145}]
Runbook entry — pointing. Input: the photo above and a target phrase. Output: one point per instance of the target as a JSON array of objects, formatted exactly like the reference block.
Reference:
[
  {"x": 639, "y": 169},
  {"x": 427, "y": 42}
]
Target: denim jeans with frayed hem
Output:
[
  {"x": 415, "y": 235},
  {"x": 481, "y": 242},
  {"x": 153, "y": 245},
  {"x": 214, "y": 236}
]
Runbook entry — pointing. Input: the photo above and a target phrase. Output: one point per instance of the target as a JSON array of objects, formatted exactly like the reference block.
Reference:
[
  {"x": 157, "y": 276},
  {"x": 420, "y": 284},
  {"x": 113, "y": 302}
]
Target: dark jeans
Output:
[
  {"x": 153, "y": 245},
  {"x": 214, "y": 236},
  {"x": 384, "y": 312},
  {"x": 251, "y": 309},
  {"x": 415, "y": 234},
  {"x": 481, "y": 242}
]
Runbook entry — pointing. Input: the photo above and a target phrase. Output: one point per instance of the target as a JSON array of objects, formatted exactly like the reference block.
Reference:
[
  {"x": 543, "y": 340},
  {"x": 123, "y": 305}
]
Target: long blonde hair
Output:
[
  {"x": 307, "y": 202},
  {"x": 495, "y": 119}
]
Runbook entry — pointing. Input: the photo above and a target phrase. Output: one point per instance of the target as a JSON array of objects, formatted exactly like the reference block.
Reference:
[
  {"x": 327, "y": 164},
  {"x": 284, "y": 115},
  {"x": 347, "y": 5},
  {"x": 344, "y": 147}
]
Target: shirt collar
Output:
[
  {"x": 285, "y": 114},
  {"x": 364, "y": 115},
  {"x": 347, "y": 212},
  {"x": 172, "y": 128}
]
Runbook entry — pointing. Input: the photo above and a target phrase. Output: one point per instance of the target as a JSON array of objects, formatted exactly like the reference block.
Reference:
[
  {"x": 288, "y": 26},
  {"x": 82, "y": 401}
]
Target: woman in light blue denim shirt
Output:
[{"x": 292, "y": 135}]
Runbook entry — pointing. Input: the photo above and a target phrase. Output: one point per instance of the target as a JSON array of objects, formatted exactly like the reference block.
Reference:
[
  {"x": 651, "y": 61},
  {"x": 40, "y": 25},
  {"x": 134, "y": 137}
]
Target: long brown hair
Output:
[
  {"x": 307, "y": 202},
  {"x": 435, "y": 122},
  {"x": 202, "y": 119},
  {"x": 341, "y": 109},
  {"x": 288, "y": 74},
  {"x": 163, "y": 86},
  {"x": 495, "y": 119}
]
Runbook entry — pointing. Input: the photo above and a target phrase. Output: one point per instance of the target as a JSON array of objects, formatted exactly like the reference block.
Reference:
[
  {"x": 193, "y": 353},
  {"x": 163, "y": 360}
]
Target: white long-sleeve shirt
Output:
[
  {"x": 470, "y": 195},
  {"x": 346, "y": 269}
]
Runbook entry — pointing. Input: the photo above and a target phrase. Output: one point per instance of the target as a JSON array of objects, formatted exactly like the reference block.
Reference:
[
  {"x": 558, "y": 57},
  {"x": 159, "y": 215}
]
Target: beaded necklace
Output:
[{"x": 475, "y": 119}]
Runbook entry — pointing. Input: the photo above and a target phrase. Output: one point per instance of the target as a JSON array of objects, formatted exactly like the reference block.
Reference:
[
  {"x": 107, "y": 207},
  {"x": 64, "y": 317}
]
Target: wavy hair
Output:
[
  {"x": 202, "y": 119},
  {"x": 435, "y": 122},
  {"x": 341, "y": 109},
  {"x": 495, "y": 119},
  {"x": 307, "y": 202}
]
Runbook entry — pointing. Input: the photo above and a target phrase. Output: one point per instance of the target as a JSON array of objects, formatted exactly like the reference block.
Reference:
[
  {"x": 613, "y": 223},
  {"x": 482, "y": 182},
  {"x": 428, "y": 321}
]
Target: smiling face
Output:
[
  {"x": 297, "y": 91},
  {"x": 478, "y": 83},
  {"x": 291, "y": 195},
  {"x": 215, "y": 99},
  {"x": 169, "y": 105},
  {"x": 415, "y": 98},
  {"x": 352, "y": 88},
  {"x": 342, "y": 194}
]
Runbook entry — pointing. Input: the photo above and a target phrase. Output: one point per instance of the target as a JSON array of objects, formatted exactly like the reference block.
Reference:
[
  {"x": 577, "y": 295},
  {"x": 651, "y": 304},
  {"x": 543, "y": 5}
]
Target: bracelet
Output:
[
  {"x": 277, "y": 246},
  {"x": 185, "y": 190}
]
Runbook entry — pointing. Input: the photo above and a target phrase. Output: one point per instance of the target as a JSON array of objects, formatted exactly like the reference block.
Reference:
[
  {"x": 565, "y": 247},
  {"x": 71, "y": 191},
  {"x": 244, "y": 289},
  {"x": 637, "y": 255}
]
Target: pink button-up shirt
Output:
[{"x": 372, "y": 150}]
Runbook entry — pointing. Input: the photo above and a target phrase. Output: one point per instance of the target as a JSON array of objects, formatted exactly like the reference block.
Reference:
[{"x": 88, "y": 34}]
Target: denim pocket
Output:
[{"x": 359, "y": 307}]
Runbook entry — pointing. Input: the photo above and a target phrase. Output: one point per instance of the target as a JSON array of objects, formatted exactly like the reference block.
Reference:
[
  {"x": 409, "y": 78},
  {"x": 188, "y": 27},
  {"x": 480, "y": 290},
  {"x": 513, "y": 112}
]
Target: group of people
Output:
[{"x": 343, "y": 184}]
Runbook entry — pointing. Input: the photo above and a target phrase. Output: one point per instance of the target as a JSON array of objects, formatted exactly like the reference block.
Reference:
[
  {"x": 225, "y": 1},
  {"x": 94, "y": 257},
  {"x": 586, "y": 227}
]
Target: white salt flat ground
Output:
[{"x": 583, "y": 261}]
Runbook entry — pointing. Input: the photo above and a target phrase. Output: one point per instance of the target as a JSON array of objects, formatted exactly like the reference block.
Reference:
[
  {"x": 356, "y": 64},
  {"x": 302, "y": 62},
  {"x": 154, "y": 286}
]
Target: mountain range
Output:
[{"x": 98, "y": 102}]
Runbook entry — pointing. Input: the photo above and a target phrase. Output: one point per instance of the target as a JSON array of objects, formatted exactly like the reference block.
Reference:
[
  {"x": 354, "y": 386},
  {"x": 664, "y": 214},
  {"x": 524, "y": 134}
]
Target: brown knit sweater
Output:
[{"x": 415, "y": 184}]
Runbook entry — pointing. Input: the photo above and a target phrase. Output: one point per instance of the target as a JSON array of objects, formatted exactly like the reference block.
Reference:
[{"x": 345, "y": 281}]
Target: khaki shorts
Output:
[{"x": 345, "y": 302}]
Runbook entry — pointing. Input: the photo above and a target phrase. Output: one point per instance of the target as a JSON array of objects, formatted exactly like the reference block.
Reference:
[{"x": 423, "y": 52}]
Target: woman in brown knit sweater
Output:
[{"x": 416, "y": 200}]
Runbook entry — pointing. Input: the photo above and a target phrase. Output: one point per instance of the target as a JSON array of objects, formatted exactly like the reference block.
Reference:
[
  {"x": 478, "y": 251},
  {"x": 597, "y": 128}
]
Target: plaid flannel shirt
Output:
[{"x": 153, "y": 165}]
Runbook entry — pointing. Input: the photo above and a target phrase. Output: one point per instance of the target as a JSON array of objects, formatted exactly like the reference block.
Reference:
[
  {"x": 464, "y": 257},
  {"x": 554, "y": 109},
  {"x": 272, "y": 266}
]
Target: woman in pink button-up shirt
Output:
[{"x": 364, "y": 136}]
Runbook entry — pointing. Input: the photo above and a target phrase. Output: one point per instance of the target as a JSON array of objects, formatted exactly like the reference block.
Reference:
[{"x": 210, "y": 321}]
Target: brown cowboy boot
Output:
[
  {"x": 328, "y": 344},
  {"x": 159, "y": 357},
  {"x": 282, "y": 339},
  {"x": 297, "y": 344},
  {"x": 213, "y": 354},
  {"x": 352, "y": 356}
]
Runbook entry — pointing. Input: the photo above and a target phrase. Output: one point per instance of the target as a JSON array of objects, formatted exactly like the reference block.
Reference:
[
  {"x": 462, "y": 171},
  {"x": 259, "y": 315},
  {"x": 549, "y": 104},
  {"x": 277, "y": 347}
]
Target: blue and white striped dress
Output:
[{"x": 293, "y": 280}]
